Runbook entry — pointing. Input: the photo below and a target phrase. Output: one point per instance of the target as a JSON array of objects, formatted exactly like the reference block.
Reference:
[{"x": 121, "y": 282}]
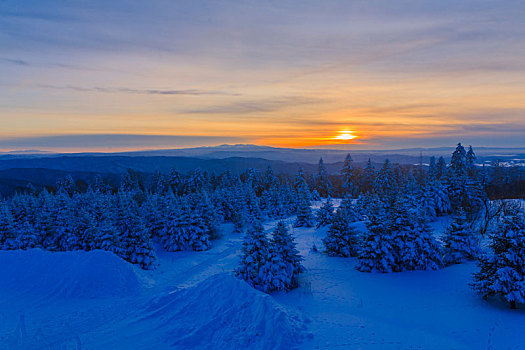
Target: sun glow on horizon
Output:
[{"x": 345, "y": 136}]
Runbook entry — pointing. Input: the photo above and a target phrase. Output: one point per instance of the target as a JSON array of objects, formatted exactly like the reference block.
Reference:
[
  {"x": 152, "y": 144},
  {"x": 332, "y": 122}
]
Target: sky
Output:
[{"x": 361, "y": 74}]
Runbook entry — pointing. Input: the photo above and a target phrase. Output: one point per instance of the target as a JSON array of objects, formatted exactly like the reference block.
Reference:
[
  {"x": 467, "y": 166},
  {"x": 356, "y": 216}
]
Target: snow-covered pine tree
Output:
[
  {"x": 289, "y": 200},
  {"x": 85, "y": 229},
  {"x": 270, "y": 181},
  {"x": 286, "y": 248},
  {"x": 470, "y": 160},
  {"x": 136, "y": 243},
  {"x": 153, "y": 213},
  {"x": 99, "y": 185},
  {"x": 66, "y": 185},
  {"x": 170, "y": 232},
  {"x": 414, "y": 246},
  {"x": 254, "y": 258},
  {"x": 428, "y": 251},
  {"x": 195, "y": 235},
  {"x": 275, "y": 203},
  {"x": 27, "y": 237},
  {"x": 159, "y": 183},
  {"x": 185, "y": 230},
  {"x": 300, "y": 181},
  {"x": 426, "y": 202},
  {"x": 349, "y": 210},
  {"x": 436, "y": 194},
  {"x": 315, "y": 196},
  {"x": 324, "y": 215},
  {"x": 251, "y": 203},
  {"x": 7, "y": 229},
  {"x": 65, "y": 217},
  {"x": 368, "y": 177},
  {"x": 322, "y": 183},
  {"x": 459, "y": 241},
  {"x": 45, "y": 223},
  {"x": 349, "y": 182},
  {"x": 175, "y": 181},
  {"x": 441, "y": 168},
  {"x": 107, "y": 237},
  {"x": 368, "y": 204},
  {"x": 204, "y": 208},
  {"x": 341, "y": 239},
  {"x": 502, "y": 271},
  {"x": 305, "y": 217},
  {"x": 377, "y": 252},
  {"x": 432, "y": 169},
  {"x": 127, "y": 183},
  {"x": 384, "y": 183},
  {"x": 457, "y": 178},
  {"x": 283, "y": 263},
  {"x": 240, "y": 215},
  {"x": 195, "y": 181}
]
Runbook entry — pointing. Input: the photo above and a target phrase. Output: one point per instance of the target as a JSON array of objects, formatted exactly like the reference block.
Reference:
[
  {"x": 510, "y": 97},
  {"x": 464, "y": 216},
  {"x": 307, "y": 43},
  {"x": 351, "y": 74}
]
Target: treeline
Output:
[
  {"x": 184, "y": 211},
  {"x": 398, "y": 236},
  {"x": 179, "y": 212}
]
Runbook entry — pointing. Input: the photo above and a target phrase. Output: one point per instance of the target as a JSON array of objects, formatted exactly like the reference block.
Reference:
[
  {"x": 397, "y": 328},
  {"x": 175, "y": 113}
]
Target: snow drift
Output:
[
  {"x": 223, "y": 312},
  {"x": 76, "y": 274}
]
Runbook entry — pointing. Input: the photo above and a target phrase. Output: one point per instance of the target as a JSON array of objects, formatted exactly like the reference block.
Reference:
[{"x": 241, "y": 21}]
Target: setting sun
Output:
[{"x": 345, "y": 136}]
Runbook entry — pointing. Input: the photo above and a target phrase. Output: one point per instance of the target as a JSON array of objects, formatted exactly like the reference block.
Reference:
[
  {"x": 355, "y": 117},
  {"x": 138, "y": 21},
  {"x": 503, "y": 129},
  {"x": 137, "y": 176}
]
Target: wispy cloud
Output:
[
  {"x": 257, "y": 105},
  {"x": 112, "y": 141},
  {"x": 194, "y": 92},
  {"x": 16, "y": 62}
]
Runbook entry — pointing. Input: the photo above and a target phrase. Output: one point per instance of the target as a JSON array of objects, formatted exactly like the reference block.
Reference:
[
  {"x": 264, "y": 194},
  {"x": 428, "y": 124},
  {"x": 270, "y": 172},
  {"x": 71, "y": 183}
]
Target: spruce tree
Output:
[
  {"x": 342, "y": 239},
  {"x": 414, "y": 245},
  {"x": 27, "y": 236},
  {"x": 348, "y": 176},
  {"x": 502, "y": 271},
  {"x": 205, "y": 209},
  {"x": 368, "y": 178},
  {"x": 270, "y": 181},
  {"x": 435, "y": 195},
  {"x": 432, "y": 171},
  {"x": 45, "y": 221},
  {"x": 107, "y": 237},
  {"x": 457, "y": 178},
  {"x": 254, "y": 258},
  {"x": 470, "y": 160},
  {"x": 348, "y": 209},
  {"x": 137, "y": 247},
  {"x": 399, "y": 239},
  {"x": 459, "y": 241},
  {"x": 304, "y": 213},
  {"x": 384, "y": 183},
  {"x": 324, "y": 215},
  {"x": 286, "y": 247},
  {"x": 377, "y": 251},
  {"x": 300, "y": 181},
  {"x": 7, "y": 229},
  {"x": 284, "y": 263},
  {"x": 322, "y": 183},
  {"x": 441, "y": 168},
  {"x": 185, "y": 231}
]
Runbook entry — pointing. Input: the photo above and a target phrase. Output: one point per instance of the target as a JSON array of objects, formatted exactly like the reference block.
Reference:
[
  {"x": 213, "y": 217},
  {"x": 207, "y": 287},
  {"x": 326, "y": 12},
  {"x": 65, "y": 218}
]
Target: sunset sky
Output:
[{"x": 371, "y": 74}]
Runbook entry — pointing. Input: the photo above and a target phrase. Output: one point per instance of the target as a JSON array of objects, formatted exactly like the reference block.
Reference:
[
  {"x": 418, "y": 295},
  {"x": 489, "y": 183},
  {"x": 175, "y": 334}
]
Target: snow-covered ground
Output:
[{"x": 94, "y": 300}]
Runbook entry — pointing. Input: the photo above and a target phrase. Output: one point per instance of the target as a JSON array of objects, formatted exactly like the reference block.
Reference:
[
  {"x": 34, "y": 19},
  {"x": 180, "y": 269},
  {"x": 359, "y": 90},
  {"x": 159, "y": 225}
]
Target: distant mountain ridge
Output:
[
  {"x": 43, "y": 169},
  {"x": 306, "y": 155}
]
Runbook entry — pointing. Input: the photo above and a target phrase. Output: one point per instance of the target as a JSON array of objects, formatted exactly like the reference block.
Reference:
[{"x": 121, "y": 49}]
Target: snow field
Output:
[{"x": 192, "y": 301}]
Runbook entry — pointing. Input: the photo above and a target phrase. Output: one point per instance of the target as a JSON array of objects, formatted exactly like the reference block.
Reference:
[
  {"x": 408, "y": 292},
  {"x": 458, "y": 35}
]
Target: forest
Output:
[{"x": 183, "y": 212}]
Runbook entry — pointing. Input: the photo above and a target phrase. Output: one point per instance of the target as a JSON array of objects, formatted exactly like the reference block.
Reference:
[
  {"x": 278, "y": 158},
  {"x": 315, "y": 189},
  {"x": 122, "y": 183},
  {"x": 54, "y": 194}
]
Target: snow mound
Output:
[
  {"x": 76, "y": 274},
  {"x": 224, "y": 312}
]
